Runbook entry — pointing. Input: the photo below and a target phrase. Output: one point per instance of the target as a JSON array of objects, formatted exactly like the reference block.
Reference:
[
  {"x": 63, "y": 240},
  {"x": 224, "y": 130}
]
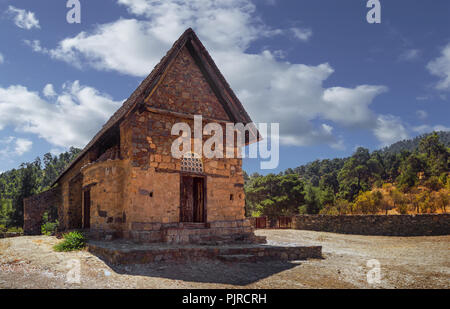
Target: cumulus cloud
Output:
[
  {"x": 49, "y": 91},
  {"x": 22, "y": 146},
  {"x": 441, "y": 67},
  {"x": 389, "y": 129},
  {"x": 303, "y": 34},
  {"x": 2, "y": 59},
  {"x": 71, "y": 119},
  {"x": 12, "y": 146},
  {"x": 271, "y": 89},
  {"x": 350, "y": 106},
  {"x": 22, "y": 18}
]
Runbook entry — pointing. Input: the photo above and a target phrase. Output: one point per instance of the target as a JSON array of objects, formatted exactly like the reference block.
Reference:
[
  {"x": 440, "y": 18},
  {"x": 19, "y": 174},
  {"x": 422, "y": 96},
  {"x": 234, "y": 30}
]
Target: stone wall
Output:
[
  {"x": 35, "y": 206},
  {"x": 185, "y": 90},
  {"x": 390, "y": 225},
  {"x": 152, "y": 187},
  {"x": 71, "y": 196},
  {"x": 105, "y": 180},
  {"x": 140, "y": 187}
]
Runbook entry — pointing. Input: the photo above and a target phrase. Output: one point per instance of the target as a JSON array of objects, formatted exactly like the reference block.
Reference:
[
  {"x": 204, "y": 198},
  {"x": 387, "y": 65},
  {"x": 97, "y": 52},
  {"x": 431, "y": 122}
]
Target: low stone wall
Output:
[
  {"x": 128, "y": 253},
  {"x": 10, "y": 234},
  {"x": 390, "y": 225},
  {"x": 35, "y": 206},
  {"x": 233, "y": 231}
]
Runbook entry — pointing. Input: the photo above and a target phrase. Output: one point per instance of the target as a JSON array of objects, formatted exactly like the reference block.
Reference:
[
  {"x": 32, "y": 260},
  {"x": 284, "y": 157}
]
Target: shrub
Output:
[
  {"x": 434, "y": 183},
  {"x": 3, "y": 228},
  {"x": 15, "y": 230},
  {"x": 402, "y": 208},
  {"x": 48, "y": 228},
  {"x": 329, "y": 210},
  {"x": 72, "y": 241}
]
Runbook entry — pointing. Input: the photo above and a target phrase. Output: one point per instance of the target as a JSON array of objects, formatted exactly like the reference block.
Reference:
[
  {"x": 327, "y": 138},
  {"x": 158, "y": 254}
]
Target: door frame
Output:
[
  {"x": 192, "y": 175},
  {"x": 86, "y": 215}
]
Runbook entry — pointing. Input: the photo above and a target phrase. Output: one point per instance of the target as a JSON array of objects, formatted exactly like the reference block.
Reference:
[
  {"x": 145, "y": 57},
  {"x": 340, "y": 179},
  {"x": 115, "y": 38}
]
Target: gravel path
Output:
[{"x": 414, "y": 262}]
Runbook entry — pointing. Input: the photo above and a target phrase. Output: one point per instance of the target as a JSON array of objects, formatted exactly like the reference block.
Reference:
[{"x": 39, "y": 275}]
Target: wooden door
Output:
[
  {"x": 192, "y": 199},
  {"x": 199, "y": 200},
  {"x": 187, "y": 199},
  {"x": 87, "y": 209}
]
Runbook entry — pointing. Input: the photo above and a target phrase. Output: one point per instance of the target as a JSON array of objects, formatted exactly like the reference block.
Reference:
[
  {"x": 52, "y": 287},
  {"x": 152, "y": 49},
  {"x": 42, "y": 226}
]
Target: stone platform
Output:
[{"x": 126, "y": 252}]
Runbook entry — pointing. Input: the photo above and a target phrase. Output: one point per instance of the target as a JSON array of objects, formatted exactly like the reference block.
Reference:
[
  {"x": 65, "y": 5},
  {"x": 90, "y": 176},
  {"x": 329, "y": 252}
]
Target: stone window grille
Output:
[{"x": 191, "y": 162}]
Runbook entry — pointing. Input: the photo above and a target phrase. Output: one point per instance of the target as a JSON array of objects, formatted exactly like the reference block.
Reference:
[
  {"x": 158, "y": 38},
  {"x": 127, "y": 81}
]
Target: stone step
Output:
[
  {"x": 237, "y": 258},
  {"x": 192, "y": 225},
  {"x": 119, "y": 252}
]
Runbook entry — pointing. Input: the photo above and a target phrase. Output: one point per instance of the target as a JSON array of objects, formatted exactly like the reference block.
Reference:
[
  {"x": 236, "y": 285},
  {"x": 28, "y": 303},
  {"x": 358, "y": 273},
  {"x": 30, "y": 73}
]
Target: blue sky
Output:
[{"x": 333, "y": 81}]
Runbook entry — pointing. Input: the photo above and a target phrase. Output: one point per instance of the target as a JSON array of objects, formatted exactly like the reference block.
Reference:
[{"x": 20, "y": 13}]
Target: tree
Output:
[
  {"x": 27, "y": 180},
  {"x": 436, "y": 153},
  {"x": 399, "y": 200},
  {"x": 312, "y": 201},
  {"x": 442, "y": 199},
  {"x": 274, "y": 195},
  {"x": 343, "y": 206},
  {"x": 6, "y": 213},
  {"x": 355, "y": 174}
]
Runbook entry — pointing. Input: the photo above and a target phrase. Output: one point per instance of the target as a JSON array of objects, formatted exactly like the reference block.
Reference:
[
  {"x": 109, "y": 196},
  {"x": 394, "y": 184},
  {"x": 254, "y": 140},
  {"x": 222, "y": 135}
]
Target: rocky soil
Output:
[{"x": 404, "y": 262}]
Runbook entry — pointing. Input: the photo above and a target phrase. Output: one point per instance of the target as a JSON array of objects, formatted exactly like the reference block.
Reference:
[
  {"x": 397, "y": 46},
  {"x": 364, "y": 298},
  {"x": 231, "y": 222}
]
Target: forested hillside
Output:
[
  {"x": 403, "y": 177},
  {"x": 413, "y": 144},
  {"x": 409, "y": 176},
  {"x": 27, "y": 180}
]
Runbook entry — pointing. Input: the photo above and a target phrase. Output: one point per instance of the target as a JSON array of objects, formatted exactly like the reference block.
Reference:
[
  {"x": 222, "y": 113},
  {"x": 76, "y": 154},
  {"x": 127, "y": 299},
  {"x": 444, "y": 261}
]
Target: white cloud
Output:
[
  {"x": 2, "y": 58},
  {"x": 22, "y": 146},
  {"x": 35, "y": 46},
  {"x": 441, "y": 128},
  {"x": 271, "y": 88},
  {"x": 71, "y": 119},
  {"x": 49, "y": 91},
  {"x": 303, "y": 34},
  {"x": 441, "y": 67},
  {"x": 350, "y": 107},
  {"x": 421, "y": 114},
  {"x": 22, "y": 18},
  {"x": 389, "y": 129},
  {"x": 13, "y": 146},
  {"x": 409, "y": 55},
  {"x": 427, "y": 129}
]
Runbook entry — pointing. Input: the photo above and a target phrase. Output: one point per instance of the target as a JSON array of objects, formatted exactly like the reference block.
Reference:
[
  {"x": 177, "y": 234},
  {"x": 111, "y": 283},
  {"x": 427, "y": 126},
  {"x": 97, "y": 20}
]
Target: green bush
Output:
[
  {"x": 15, "y": 230},
  {"x": 3, "y": 228},
  {"x": 72, "y": 241},
  {"x": 48, "y": 228}
]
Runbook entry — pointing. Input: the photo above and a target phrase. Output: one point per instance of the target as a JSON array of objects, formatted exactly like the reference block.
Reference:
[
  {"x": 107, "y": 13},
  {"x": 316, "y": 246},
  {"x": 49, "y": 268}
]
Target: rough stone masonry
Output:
[{"x": 126, "y": 184}]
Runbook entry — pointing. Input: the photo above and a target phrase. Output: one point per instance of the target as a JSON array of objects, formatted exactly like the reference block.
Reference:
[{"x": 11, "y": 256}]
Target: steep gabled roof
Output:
[{"x": 221, "y": 88}]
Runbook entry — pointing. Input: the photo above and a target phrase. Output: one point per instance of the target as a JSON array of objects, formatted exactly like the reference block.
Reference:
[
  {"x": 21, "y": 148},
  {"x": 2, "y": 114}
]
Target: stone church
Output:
[{"x": 126, "y": 184}]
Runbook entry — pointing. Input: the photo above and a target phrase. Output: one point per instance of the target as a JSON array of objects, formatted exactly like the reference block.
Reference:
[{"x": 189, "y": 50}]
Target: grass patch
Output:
[{"x": 72, "y": 241}]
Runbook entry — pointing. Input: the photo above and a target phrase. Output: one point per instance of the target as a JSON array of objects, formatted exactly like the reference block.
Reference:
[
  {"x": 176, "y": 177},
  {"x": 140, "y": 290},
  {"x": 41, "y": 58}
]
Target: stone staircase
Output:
[
  {"x": 195, "y": 233},
  {"x": 237, "y": 258}
]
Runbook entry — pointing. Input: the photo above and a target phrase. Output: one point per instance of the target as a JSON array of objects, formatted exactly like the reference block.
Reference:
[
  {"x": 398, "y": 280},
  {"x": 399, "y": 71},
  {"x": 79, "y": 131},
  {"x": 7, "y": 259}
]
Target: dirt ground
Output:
[{"x": 404, "y": 262}]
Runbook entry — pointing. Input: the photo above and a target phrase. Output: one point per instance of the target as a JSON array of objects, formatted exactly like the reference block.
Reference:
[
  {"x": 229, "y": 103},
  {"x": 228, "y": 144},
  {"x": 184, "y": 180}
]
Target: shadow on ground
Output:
[{"x": 207, "y": 271}]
